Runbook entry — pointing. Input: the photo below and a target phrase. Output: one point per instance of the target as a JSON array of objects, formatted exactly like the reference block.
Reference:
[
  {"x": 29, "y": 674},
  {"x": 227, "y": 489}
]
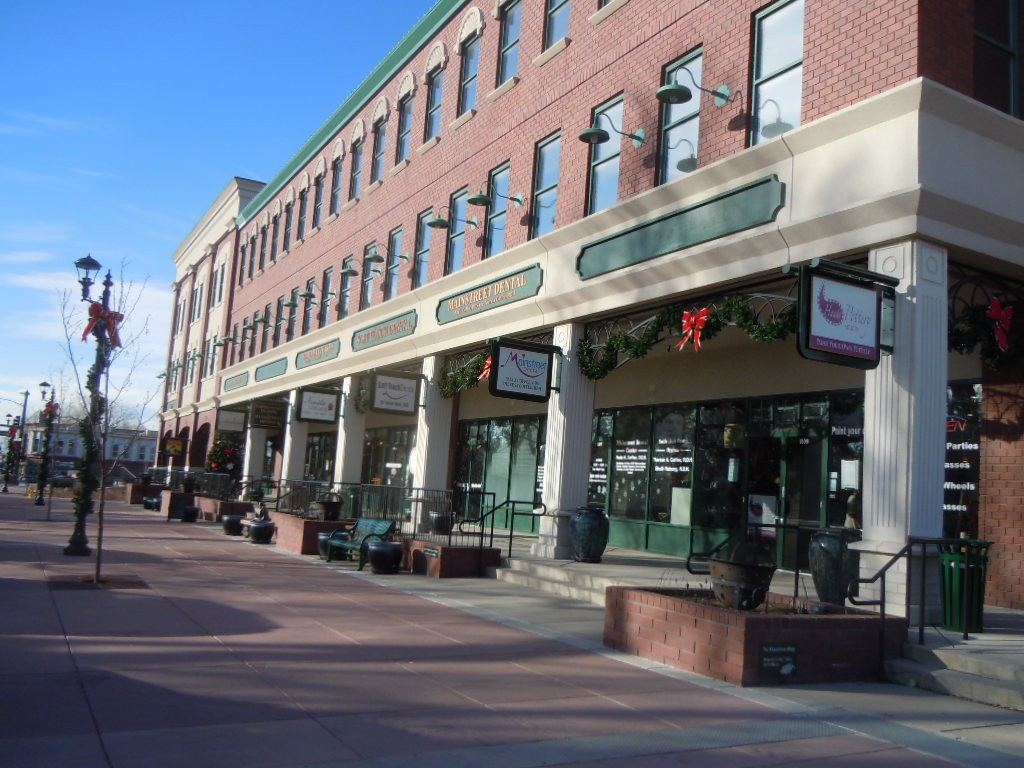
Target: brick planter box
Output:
[
  {"x": 172, "y": 503},
  {"x": 687, "y": 630},
  {"x": 444, "y": 562},
  {"x": 213, "y": 510},
  {"x": 298, "y": 534},
  {"x": 134, "y": 493}
]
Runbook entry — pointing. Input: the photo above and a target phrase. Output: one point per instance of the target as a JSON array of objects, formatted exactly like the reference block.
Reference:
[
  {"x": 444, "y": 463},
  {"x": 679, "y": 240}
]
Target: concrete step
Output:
[
  {"x": 952, "y": 682},
  {"x": 959, "y": 657},
  {"x": 562, "y": 588}
]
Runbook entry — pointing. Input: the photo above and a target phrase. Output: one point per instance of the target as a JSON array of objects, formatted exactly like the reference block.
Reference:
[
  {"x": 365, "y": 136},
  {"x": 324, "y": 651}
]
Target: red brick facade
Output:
[{"x": 1001, "y": 505}]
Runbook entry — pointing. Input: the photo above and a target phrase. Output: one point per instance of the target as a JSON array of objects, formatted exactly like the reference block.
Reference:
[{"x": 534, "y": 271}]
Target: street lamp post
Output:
[
  {"x": 7, "y": 456},
  {"x": 49, "y": 413},
  {"x": 103, "y": 326}
]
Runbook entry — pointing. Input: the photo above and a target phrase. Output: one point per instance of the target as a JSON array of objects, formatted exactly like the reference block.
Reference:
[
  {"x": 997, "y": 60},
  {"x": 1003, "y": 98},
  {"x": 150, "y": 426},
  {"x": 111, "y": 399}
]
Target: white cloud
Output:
[{"x": 25, "y": 257}]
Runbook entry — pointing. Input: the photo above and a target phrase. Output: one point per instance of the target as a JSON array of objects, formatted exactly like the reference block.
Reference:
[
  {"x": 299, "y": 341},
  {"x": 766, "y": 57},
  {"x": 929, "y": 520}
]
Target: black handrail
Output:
[{"x": 535, "y": 509}]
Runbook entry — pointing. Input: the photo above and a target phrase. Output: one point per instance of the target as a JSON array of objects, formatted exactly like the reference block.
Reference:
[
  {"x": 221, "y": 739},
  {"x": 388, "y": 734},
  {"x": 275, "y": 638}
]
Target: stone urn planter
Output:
[
  {"x": 261, "y": 531},
  {"x": 441, "y": 521},
  {"x": 384, "y": 556},
  {"x": 742, "y": 577},
  {"x": 331, "y": 506},
  {"x": 232, "y": 525},
  {"x": 834, "y": 566},
  {"x": 588, "y": 534}
]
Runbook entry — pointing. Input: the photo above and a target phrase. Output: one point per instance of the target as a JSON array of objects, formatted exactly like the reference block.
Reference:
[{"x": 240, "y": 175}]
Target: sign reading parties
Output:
[{"x": 521, "y": 370}]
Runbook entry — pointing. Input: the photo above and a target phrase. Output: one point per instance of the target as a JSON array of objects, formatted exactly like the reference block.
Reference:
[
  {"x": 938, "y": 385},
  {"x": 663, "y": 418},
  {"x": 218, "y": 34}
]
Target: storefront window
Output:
[
  {"x": 386, "y": 455},
  {"x": 672, "y": 464},
  {"x": 630, "y": 464},
  {"x": 846, "y": 460},
  {"x": 963, "y": 460}
]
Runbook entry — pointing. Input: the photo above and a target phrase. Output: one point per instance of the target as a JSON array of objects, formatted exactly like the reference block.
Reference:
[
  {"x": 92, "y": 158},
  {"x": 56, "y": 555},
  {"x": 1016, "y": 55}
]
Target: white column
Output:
[
  {"x": 348, "y": 451},
  {"x": 295, "y": 432},
  {"x": 255, "y": 446},
  {"x": 429, "y": 460},
  {"x": 905, "y": 413},
  {"x": 567, "y": 448}
]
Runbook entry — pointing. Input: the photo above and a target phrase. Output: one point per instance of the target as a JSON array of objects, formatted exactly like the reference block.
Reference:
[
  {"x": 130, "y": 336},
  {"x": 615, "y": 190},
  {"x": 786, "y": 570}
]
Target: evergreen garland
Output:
[
  {"x": 454, "y": 380},
  {"x": 732, "y": 310},
  {"x": 91, "y": 465},
  {"x": 974, "y": 329}
]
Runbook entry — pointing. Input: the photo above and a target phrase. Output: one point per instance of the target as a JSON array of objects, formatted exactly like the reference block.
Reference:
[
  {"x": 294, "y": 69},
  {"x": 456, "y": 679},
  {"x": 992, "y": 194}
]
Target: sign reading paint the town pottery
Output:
[
  {"x": 493, "y": 294},
  {"x": 395, "y": 394},
  {"x": 319, "y": 405},
  {"x": 521, "y": 370}
]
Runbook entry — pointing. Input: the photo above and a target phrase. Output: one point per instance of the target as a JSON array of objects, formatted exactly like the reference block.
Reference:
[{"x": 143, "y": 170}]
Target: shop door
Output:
[
  {"x": 319, "y": 457},
  {"x": 802, "y": 495}
]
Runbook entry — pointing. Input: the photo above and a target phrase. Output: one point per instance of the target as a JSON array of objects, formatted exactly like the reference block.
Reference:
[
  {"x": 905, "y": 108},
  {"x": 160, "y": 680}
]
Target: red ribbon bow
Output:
[
  {"x": 97, "y": 313},
  {"x": 1002, "y": 319},
  {"x": 693, "y": 324},
  {"x": 50, "y": 410},
  {"x": 486, "y": 372}
]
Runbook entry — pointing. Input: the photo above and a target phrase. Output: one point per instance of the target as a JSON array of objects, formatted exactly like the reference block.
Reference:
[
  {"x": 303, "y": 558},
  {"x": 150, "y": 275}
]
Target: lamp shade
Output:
[
  {"x": 674, "y": 93},
  {"x": 480, "y": 198},
  {"x": 87, "y": 268},
  {"x": 594, "y": 135}
]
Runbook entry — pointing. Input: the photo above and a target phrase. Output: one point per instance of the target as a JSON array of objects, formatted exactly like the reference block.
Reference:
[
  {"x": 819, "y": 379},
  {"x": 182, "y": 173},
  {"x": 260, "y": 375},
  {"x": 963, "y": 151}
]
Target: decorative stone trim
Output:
[
  {"x": 381, "y": 110},
  {"x": 462, "y": 119},
  {"x": 358, "y": 131},
  {"x": 437, "y": 58},
  {"x": 472, "y": 25},
  {"x": 374, "y": 187},
  {"x": 553, "y": 51},
  {"x": 399, "y": 167},
  {"x": 428, "y": 145},
  {"x": 350, "y": 204},
  {"x": 502, "y": 89},
  {"x": 408, "y": 85},
  {"x": 607, "y": 11}
]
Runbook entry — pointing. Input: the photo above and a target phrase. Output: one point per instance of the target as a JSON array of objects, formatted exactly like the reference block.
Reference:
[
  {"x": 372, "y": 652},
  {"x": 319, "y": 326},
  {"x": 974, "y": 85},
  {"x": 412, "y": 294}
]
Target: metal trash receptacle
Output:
[{"x": 964, "y": 567}]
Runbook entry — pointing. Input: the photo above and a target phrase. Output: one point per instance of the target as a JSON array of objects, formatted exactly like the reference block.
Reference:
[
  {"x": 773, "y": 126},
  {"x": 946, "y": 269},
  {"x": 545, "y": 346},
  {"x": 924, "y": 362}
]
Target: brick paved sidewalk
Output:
[{"x": 207, "y": 650}]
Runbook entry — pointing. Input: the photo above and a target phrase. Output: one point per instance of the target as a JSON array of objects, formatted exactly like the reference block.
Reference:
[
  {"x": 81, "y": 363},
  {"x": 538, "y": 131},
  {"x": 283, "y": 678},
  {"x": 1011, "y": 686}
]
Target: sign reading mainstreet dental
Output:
[
  {"x": 321, "y": 353},
  {"x": 521, "y": 370},
  {"x": 395, "y": 394},
  {"x": 841, "y": 314},
  {"x": 319, "y": 405},
  {"x": 381, "y": 333},
  {"x": 506, "y": 289}
]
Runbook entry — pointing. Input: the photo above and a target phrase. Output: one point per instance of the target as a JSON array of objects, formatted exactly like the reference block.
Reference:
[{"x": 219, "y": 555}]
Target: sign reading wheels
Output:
[
  {"x": 521, "y": 370},
  {"x": 506, "y": 289},
  {"x": 389, "y": 330}
]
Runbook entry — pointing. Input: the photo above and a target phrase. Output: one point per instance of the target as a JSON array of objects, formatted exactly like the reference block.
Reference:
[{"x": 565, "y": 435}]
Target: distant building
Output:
[{"x": 132, "y": 449}]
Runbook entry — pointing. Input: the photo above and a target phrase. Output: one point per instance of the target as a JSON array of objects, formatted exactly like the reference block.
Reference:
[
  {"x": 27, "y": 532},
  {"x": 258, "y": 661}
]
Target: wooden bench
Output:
[{"x": 356, "y": 538}]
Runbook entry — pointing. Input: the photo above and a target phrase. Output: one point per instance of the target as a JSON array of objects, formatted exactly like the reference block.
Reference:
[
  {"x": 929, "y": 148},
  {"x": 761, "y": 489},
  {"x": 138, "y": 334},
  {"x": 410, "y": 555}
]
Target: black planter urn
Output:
[
  {"x": 232, "y": 525},
  {"x": 261, "y": 531},
  {"x": 441, "y": 521},
  {"x": 834, "y": 566},
  {"x": 384, "y": 556},
  {"x": 588, "y": 534}
]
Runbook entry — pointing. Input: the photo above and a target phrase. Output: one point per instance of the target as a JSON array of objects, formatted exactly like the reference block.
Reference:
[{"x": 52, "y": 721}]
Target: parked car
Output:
[{"x": 62, "y": 480}]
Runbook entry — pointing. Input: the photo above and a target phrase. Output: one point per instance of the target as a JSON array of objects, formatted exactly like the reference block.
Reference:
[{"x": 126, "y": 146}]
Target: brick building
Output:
[{"x": 458, "y": 196}]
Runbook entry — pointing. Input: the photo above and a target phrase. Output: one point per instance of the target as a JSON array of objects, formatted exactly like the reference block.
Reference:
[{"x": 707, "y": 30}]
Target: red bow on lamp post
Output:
[
  {"x": 1002, "y": 319},
  {"x": 486, "y": 372},
  {"x": 693, "y": 325},
  {"x": 50, "y": 410},
  {"x": 97, "y": 313}
]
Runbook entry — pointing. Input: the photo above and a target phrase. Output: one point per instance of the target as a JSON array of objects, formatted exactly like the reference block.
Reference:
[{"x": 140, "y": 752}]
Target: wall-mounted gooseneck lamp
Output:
[
  {"x": 349, "y": 271},
  {"x": 778, "y": 126},
  {"x": 677, "y": 93},
  {"x": 686, "y": 164},
  {"x": 440, "y": 222},
  {"x": 484, "y": 200},
  {"x": 595, "y": 134}
]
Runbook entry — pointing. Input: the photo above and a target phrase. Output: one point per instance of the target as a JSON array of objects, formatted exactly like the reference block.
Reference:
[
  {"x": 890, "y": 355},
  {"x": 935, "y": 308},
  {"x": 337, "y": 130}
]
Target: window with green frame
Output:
[
  {"x": 680, "y": 123},
  {"x": 603, "y": 190},
  {"x": 998, "y": 64},
  {"x": 778, "y": 70}
]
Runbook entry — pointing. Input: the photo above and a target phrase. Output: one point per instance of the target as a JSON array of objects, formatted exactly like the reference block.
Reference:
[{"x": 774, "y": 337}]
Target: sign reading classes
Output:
[
  {"x": 841, "y": 314},
  {"x": 521, "y": 370}
]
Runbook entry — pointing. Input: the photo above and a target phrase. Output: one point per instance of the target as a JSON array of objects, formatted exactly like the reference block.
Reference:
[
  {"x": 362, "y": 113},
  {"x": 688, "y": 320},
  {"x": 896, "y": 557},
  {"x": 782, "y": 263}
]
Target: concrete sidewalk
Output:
[{"x": 206, "y": 650}]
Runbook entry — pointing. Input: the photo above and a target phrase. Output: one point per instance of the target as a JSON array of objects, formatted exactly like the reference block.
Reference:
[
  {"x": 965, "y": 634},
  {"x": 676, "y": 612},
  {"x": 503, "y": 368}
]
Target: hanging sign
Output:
[
  {"x": 393, "y": 393},
  {"x": 267, "y": 415},
  {"x": 174, "y": 446},
  {"x": 841, "y": 314},
  {"x": 318, "y": 405},
  {"x": 230, "y": 421},
  {"x": 521, "y": 370}
]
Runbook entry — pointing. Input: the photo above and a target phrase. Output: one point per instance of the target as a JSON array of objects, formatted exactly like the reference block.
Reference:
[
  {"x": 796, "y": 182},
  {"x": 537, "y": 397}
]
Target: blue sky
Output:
[{"x": 121, "y": 122}]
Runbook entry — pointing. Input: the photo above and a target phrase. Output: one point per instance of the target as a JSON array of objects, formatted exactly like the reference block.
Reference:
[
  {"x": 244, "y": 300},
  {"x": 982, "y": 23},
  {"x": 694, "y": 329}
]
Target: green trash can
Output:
[{"x": 964, "y": 566}]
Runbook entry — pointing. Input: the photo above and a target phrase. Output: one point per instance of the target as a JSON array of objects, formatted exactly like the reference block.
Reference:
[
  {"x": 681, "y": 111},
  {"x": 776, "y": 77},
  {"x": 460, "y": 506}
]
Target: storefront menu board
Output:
[
  {"x": 393, "y": 393},
  {"x": 521, "y": 370},
  {"x": 318, "y": 405},
  {"x": 841, "y": 314}
]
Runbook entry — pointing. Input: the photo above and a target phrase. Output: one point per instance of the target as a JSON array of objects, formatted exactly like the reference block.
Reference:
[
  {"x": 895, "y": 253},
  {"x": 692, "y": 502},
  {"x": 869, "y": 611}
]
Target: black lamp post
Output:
[
  {"x": 49, "y": 413},
  {"x": 7, "y": 458},
  {"x": 103, "y": 326}
]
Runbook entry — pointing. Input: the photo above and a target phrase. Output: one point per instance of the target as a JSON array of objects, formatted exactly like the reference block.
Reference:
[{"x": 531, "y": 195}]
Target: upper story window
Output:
[
  {"x": 508, "y": 50},
  {"x": 279, "y": 320},
  {"x": 603, "y": 191},
  {"x": 263, "y": 248},
  {"x": 287, "y": 244},
  {"x": 252, "y": 257},
  {"x": 366, "y": 296},
  {"x": 336, "y": 185},
  {"x": 265, "y": 323},
  {"x": 778, "y": 70},
  {"x": 998, "y": 64},
  {"x": 355, "y": 179},
  {"x": 545, "y": 185},
  {"x": 680, "y": 123},
  {"x": 457, "y": 232},
  {"x": 241, "y": 264},
  {"x": 421, "y": 259},
  {"x": 403, "y": 146},
  {"x": 348, "y": 272},
  {"x": 380, "y": 140},
  {"x": 309, "y": 307},
  {"x": 219, "y": 291},
  {"x": 275, "y": 235},
  {"x": 469, "y": 74},
  {"x": 327, "y": 293},
  {"x": 293, "y": 311},
  {"x": 435, "y": 85},
  {"x": 394, "y": 264},
  {"x": 254, "y": 330},
  {"x": 497, "y": 213},
  {"x": 236, "y": 345},
  {"x": 318, "y": 201},
  {"x": 303, "y": 205},
  {"x": 556, "y": 22}
]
